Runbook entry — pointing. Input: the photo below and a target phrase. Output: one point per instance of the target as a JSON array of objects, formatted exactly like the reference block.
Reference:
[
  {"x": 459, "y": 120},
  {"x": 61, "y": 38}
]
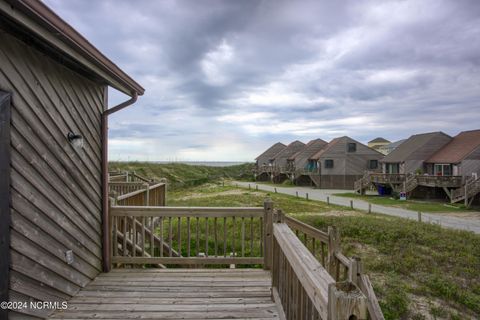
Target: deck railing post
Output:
[
  {"x": 355, "y": 270},
  {"x": 268, "y": 234},
  {"x": 333, "y": 248},
  {"x": 147, "y": 194},
  {"x": 346, "y": 301}
]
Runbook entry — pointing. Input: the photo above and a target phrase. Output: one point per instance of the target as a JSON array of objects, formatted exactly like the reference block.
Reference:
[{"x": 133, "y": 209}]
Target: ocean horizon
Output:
[{"x": 206, "y": 163}]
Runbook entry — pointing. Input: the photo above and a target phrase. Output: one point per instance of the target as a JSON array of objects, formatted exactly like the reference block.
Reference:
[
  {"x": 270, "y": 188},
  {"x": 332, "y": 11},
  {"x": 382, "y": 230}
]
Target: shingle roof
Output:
[
  {"x": 317, "y": 155},
  {"x": 409, "y": 146},
  {"x": 310, "y": 149},
  {"x": 456, "y": 150},
  {"x": 379, "y": 139},
  {"x": 395, "y": 144},
  {"x": 273, "y": 150},
  {"x": 290, "y": 150}
]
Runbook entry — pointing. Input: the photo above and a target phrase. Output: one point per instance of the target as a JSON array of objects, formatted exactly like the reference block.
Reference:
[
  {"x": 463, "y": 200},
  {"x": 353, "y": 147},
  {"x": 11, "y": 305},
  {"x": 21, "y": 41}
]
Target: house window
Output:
[
  {"x": 328, "y": 164},
  {"x": 373, "y": 164},
  {"x": 351, "y": 147},
  {"x": 443, "y": 170},
  {"x": 312, "y": 165}
]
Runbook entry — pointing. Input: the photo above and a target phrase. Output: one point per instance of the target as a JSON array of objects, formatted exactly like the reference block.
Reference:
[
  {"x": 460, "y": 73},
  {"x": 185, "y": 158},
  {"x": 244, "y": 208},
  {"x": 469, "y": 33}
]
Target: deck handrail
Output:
[
  {"x": 201, "y": 235},
  {"x": 325, "y": 247},
  {"x": 148, "y": 195},
  {"x": 245, "y": 236},
  {"x": 122, "y": 187},
  {"x": 299, "y": 280}
]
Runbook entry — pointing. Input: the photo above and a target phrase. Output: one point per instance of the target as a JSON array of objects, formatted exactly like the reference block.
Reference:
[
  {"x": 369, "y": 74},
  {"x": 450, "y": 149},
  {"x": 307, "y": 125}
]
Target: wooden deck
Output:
[{"x": 175, "y": 294}]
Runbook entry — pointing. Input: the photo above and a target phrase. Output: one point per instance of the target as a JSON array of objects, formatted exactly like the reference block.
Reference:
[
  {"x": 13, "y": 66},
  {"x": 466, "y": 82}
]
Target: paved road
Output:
[{"x": 321, "y": 195}]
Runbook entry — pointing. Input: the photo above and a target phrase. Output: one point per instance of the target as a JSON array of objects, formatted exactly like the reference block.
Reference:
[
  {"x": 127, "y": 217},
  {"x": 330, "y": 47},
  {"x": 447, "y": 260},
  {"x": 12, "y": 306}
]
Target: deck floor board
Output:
[{"x": 174, "y": 294}]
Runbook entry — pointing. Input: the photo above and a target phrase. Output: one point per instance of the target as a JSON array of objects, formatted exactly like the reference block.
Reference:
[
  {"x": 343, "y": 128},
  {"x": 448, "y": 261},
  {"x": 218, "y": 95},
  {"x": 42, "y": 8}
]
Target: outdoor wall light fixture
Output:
[{"x": 75, "y": 139}]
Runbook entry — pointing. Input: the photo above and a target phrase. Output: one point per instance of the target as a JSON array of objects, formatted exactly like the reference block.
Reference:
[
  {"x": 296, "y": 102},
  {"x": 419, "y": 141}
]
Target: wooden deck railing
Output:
[
  {"x": 325, "y": 248},
  {"x": 149, "y": 195},
  {"x": 123, "y": 187},
  {"x": 200, "y": 235},
  {"x": 440, "y": 181},
  {"x": 310, "y": 280},
  {"x": 387, "y": 178}
]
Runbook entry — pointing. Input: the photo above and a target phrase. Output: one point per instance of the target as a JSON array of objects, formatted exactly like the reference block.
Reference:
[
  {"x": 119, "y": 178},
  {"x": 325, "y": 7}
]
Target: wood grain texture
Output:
[
  {"x": 55, "y": 188},
  {"x": 197, "y": 294},
  {"x": 5, "y": 197}
]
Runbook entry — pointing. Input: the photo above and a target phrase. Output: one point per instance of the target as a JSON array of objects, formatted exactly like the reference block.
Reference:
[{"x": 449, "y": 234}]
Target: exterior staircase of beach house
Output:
[
  {"x": 467, "y": 192},
  {"x": 411, "y": 182},
  {"x": 314, "y": 175},
  {"x": 363, "y": 183}
]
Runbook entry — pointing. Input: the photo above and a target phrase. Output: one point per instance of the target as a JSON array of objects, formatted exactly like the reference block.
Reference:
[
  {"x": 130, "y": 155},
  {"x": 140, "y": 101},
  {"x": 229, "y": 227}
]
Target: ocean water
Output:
[{"x": 206, "y": 163}]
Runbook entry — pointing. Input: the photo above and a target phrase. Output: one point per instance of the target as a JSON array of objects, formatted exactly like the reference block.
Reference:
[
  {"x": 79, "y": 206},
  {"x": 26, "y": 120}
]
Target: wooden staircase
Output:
[
  {"x": 411, "y": 183},
  {"x": 467, "y": 192},
  {"x": 363, "y": 183},
  {"x": 313, "y": 175}
]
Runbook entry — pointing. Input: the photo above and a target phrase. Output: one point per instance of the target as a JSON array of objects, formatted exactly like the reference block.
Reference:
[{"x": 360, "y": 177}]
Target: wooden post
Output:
[
  {"x": 333, "y": 247},
  {"x": 147, "y": 194},
  {"x": 419, "y": 216},
  {"x": 369, "y": 208},
  {"x": 275, "y": 190},
  {"x": 328, "y": 200},
  {"x": 296, "y": 192},
  {"x": 278, "y": 216},
  {"x": 355, "y": 270},
  {"x": 306, "y": 195},
  {"x": 346, "y": 301},
  {"x": 351, "y": 204},
  {"x": 268, "y": 234},
  {"x": 466, "y": 194}
]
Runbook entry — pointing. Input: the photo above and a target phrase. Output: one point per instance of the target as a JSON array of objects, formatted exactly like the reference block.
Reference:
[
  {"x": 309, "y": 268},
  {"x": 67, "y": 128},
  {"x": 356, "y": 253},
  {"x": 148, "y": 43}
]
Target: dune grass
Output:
[
  {"x": 181, "y": 175},
  {"x": 419, "y": 270}
]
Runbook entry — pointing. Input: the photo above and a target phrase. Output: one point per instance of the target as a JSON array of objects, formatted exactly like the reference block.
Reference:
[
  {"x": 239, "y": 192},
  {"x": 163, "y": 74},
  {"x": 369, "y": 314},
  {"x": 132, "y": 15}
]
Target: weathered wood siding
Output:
[
  {"x": 348, "y": 166},
  {"x": 281, "y": 158},
  {"x": 471, "y": 164},
  {"x": 5, "y": 114},
  {"x": 301, "y": 160},
  {"x": 55, "y": 188}
]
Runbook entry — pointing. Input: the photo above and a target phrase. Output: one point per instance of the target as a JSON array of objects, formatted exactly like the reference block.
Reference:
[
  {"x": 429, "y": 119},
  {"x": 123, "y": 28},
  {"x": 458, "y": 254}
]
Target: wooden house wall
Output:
[
  {"x": 410, "y": 166},
  {"x": 348, "y": 166},
  {"x": 282, "y": 157},
  {"x": 471, "y": 164},
  {"x": 301, "y": 161},
  {"x": 358, "y": 162},
  {"x": 55, "y": 188}
]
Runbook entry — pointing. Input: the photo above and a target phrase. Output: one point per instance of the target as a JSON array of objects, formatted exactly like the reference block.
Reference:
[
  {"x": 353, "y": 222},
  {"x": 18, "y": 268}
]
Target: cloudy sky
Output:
[{"x": 226, "y": 79}]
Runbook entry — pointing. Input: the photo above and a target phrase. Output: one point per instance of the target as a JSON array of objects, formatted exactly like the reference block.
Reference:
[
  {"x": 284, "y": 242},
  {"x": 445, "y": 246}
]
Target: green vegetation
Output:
[
  {"x": 411, "y": 264},
  {"x": 415, "y": 205},
  {"x": 181, "y": 175},
  {"x": 418, "y": 270}
]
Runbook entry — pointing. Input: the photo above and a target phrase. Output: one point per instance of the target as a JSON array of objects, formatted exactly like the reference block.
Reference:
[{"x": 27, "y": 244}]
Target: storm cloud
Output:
[{"x": 226, "y": 79}]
